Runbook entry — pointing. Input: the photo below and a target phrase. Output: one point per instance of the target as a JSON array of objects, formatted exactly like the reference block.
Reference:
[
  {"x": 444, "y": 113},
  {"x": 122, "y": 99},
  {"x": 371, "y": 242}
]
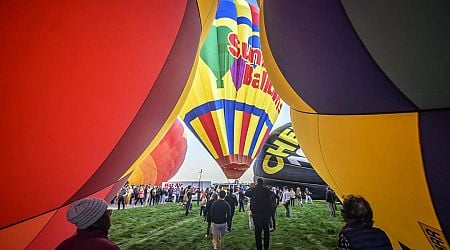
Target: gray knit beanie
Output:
[{"x": 85, "y": 212}]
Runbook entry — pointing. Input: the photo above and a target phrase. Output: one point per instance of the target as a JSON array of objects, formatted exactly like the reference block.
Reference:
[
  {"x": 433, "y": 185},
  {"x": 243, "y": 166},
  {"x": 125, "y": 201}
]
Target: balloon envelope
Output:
[
  {"x": 369, "y": 89},
  {"x": 165, "y": 160},
  {"x": 232, "y": 105},
  {"x": 85, "y": 88},
  {"x": 281, "y": 162}
]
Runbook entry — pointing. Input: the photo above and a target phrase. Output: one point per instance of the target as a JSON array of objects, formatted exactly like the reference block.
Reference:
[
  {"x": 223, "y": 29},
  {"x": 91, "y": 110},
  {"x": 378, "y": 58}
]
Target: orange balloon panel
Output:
[
  {"x": 44, "y": 232},
  {"x": 165, "y": 160},
  {"x": 85, "y": 87}
]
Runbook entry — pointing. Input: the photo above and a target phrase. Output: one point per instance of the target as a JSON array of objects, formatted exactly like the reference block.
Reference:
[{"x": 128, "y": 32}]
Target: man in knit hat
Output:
[{"x": 92, "y": 219}]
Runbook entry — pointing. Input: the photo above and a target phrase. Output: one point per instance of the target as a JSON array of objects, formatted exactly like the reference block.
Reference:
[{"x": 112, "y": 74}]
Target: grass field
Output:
[{"x": 166, "y": 227}]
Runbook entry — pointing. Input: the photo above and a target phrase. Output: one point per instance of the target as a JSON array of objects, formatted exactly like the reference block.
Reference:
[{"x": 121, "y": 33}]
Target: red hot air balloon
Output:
[
  {"x": 85, "y": 88},
  {"x": 165, "y": 160}
]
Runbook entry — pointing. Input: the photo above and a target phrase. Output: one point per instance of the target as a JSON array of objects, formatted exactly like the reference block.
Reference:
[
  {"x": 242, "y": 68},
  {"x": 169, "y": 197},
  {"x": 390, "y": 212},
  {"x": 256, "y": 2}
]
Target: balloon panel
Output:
[
  {"x": 383, "y": 117},
  {"x": 158, "y": 109},
  {"x": 165, "y": 160},
  {"x": 57, "y": 109},
  {"x": 73, "y": 88},
  {"x": 281, "y": 162},
  {"x": 58, "y": 228},
  {"x": 434, "y": 138},
  {"x": 330, "y": 63},
  {"x": 413, "y": 56},
  {"x": 232, "y": 105},
  {"x": 20, "y": 235}
]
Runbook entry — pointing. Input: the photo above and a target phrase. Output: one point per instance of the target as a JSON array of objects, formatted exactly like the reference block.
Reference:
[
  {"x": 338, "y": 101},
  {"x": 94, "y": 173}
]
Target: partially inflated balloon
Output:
[
  {"x": 368, "y": 84},
  {"x": 232, "y": 105},
  {"x": 281, "y": 162},
  {"x": 165, "y": 160},
  {"x": 85, "y": 88}
]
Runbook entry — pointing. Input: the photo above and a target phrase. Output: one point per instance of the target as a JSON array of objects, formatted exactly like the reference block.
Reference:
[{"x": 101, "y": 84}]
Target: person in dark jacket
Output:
[
  {"x": 233, "y": 202},
  {"x": 359, "y": 232},
  {"x": 330, "y": 198},
  {"x": 92, "y": 218},
  {"x": 261, "y": 206},
  {"x": 188, "y": 199},
  {"x": 207, "y": 212},
  {"x": 241, "y": 200},
  {"x": 220, "y": 212}
]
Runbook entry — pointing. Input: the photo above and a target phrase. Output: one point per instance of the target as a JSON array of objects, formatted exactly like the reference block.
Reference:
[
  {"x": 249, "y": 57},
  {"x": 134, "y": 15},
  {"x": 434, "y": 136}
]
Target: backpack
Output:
[{"x": 185, "y": 197}]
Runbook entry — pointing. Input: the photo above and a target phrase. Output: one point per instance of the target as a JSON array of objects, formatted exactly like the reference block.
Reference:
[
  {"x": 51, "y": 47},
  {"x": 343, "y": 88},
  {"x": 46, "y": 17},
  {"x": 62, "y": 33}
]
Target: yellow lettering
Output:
[
  {"x": 279, "y": 151},
  {"x": 272, "y": 170}
]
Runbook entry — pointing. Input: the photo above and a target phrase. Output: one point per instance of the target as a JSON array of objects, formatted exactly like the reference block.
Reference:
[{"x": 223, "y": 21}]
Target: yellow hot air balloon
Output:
[{"x": 232, "y": 105}]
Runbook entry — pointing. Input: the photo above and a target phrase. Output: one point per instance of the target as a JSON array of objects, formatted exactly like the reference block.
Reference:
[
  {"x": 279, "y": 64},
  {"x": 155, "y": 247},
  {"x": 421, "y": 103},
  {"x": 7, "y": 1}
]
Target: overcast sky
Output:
[{"x": 198, "y": 158}]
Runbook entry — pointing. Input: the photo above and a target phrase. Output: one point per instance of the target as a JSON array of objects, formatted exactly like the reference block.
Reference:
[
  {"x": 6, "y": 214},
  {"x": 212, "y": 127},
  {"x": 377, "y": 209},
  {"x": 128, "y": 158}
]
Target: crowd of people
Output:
[{"x": 92, "y": 218}]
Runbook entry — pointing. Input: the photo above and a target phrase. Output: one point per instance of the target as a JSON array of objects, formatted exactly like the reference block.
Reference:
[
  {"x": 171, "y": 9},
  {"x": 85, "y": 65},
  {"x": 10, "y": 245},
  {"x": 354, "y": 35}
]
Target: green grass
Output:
[{"x": 166, "y": 227}]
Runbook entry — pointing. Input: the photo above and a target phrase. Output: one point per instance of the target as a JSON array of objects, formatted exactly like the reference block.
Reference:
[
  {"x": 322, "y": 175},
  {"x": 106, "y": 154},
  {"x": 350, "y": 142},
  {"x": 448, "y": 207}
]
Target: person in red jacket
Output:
[{"x": 92, "y": 219}]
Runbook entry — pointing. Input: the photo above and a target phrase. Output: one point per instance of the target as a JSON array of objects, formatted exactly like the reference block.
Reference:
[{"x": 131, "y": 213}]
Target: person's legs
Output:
[
  {"x": 208, "y": 228},
  {"x": 274, "y": 223},
  {"x": 257, "y": 222},
  {"x": 187, "y": 207},
  {"x": 265, "y": 227},
  {"x": 214, "y": 239},
  {"x": 230, "y": 220},
  {"x": 222, "y": 240}
]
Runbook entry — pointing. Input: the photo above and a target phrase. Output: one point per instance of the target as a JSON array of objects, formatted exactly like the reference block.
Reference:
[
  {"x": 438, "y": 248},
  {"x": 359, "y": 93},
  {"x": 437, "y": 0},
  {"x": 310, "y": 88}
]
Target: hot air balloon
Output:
[
  {"x": 232, "y": 105},
  {"x": 165, "y": 160},
  {"x": 281, "y": 162},
  {"x": 85, "y": 89},
  {"x": 368, "y": 84}
]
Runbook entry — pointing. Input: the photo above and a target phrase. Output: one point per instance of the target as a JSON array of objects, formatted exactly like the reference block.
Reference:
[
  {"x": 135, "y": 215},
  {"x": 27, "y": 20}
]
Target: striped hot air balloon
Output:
[{"x": 232, "y": 105}]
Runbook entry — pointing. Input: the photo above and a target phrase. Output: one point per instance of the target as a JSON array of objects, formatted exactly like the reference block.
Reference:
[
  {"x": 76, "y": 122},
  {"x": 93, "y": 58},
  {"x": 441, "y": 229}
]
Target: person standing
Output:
[
  {"x": 298, "y": 193},
  {"x": 198, "y": 192},
  {"x": 121, "y": 197},
  {"x": 220, "y": 212},
  {"x": 308, "y": 196},
  {"x": 292, "y": 198},
  {"x": 286, "y": 200},
  {"x": 261, "y": 207},
  {"x": 275, "y": 203},
  {"x": 187, "y": 198},
  {"x": 92, "y": 219},
  {"x": 207, "y": 212},
  {"x": 233, "y": 202},
  {"x": 203, "y": 202},
  {"x": 330, "y": 198},
  {"x": 359, "y": 232},
  {"x": 241, "y": 200}
]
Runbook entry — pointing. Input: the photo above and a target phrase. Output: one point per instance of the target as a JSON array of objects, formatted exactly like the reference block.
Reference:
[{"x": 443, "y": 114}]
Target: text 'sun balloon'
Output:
[{"x": 232, "y": 105}]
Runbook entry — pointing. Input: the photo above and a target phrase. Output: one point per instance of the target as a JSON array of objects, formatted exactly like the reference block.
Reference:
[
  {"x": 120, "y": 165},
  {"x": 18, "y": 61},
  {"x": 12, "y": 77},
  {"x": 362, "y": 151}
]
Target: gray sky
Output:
[{"x": 198, "y": 158}]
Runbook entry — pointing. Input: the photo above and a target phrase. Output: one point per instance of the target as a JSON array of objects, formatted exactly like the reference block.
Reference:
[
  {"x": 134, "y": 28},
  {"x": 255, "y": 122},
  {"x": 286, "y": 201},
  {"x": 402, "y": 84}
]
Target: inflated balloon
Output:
[
  {"x": 368, "y": 86},
  {"x": 281, "y": 162},
  {"x": 86, "y": 88},
  {"x": 165, "y": 160},
  {"x": 232, "y": 105}
]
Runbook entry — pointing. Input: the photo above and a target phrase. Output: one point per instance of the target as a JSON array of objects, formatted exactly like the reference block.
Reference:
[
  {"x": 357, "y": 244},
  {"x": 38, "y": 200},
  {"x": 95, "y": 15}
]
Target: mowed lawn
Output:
[{"x": 166, "y": 227}]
